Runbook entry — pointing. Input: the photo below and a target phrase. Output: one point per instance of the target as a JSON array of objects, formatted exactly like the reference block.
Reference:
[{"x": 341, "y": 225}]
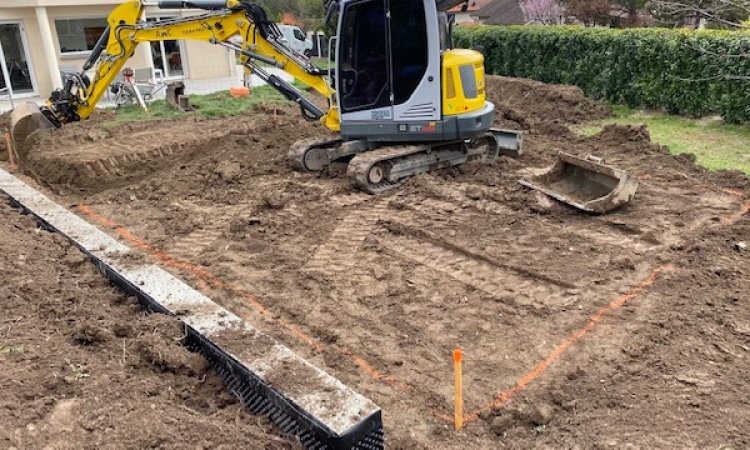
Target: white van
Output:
[{"x": 297, "y": 39}]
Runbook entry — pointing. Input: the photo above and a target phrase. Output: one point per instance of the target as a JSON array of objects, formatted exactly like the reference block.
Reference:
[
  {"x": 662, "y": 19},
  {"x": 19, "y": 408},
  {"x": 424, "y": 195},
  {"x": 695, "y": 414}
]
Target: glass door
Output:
[
  {"x": 168, "y": 56},
  {"x": 17, "y": 59}
]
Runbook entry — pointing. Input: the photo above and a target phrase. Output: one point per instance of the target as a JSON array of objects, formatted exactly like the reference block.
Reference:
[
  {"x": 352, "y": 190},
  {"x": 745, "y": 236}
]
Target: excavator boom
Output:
[{"x": 240, "y": 26}]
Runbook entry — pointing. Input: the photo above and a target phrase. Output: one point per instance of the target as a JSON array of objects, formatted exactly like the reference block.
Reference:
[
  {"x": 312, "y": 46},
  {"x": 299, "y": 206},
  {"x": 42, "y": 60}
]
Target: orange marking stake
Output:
[{"x": 458, "y": 395}]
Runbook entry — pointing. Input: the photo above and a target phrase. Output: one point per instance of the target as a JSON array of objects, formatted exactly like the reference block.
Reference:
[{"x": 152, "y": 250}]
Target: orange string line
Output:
[{"x": 215, "y": 282}]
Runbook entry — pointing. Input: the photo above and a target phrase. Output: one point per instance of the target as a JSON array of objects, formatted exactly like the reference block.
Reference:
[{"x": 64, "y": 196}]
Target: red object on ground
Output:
[{"x": 240, "y": 91}]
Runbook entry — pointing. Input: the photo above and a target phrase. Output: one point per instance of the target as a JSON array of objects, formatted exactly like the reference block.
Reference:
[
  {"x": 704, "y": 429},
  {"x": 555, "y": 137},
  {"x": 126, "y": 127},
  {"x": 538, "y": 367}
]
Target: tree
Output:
[
  {"x": 311, "y": 12},
  {"x": 633, "y": 7},
  {"x": 546, "y": 12},
  {"x": 590, "y": 12},
  {"x": 732, "y": 14},
  {"x": 607, "y": 12},
  {"x": 696, "y": 13},
  {"x": 632, "y": 10}
]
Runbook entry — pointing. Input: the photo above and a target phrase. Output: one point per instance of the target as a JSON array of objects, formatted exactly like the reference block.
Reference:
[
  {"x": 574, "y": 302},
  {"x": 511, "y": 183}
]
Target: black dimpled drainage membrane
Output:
[
  {"x": 259, "y": 397},
  {"x": 262, "y": 399}
]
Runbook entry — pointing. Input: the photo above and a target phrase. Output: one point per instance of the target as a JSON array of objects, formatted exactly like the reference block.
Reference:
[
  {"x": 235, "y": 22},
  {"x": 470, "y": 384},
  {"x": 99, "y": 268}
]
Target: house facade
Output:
[{"x": 42, "y": 38}]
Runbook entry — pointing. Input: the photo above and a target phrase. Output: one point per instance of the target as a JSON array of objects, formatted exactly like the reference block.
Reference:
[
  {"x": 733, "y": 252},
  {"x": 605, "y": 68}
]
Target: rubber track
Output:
[
  {"x": 296, "y": 153},
  {"x": 360, "y": 165}
]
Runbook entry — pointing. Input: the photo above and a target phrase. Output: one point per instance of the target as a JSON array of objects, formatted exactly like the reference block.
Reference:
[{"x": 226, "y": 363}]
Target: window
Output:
[
  {"x": 363, "y": 75},
  {"x": 79, "y": 35},
  {"x": 409, "y": 47},
  {"x": 298, "y": 34},
  {"x": 167, "y": 55},
  {"x": 16, "y": 58}
]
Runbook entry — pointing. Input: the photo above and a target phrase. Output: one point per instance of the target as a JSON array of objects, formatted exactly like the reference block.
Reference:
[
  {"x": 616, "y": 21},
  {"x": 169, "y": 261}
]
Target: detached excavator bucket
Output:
[
  {"x": 26, "y": 124},
  {"x": 586, "y": 184},
  {"x": 176, "y": 98}
]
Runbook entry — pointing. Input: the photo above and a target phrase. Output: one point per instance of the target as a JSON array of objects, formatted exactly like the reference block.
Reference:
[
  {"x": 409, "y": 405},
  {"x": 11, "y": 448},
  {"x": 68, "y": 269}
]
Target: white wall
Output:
[{"x": 201, "y": 59}]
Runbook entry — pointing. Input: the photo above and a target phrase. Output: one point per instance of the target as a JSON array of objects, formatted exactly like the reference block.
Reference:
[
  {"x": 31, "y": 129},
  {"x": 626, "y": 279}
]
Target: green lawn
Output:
[
  {"x": 715, "y": 144},
  {"x": 220, "y": 104},
  {"x": 321, "y": 62}
]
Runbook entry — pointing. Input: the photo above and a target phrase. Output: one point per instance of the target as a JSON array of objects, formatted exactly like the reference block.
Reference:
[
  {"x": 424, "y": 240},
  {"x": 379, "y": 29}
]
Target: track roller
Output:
[{"x": 312, "y": 155}]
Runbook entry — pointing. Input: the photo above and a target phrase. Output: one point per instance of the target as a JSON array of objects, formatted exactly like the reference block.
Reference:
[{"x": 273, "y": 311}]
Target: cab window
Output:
[
  {"x": 363, "y": 54},
  {"x": 409, "y": 47}
]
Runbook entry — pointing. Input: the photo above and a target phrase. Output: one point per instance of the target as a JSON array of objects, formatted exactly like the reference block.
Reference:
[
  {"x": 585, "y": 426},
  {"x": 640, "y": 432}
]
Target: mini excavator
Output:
[{"x": 401, "y": 99}]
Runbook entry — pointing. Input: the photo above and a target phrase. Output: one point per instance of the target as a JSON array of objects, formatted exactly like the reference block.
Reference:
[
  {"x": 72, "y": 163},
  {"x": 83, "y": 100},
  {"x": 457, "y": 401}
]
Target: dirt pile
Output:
[
  {"x": 528, "y": 104},
  {"x": 383, "y": 288},
  {"x": 85, "y": 157},
  {"x": 82, "y": 366}
]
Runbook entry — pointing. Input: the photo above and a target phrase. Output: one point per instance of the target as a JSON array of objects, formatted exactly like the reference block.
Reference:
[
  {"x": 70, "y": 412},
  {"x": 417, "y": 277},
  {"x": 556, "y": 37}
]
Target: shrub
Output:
[{"x": 687, "y": 72}]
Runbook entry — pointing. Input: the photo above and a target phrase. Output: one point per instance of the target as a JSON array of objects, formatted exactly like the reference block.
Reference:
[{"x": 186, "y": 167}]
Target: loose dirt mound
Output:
[
  {"x": 84, "y": 157},
  {"x": 378, "y": 290},
  {"x": 81, "y": 366},
  {"x": 528, "y": 104}
]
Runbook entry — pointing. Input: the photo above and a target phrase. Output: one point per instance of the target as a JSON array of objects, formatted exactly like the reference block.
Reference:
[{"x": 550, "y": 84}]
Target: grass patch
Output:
[
  {"x": 321, "y": 62},
  {"x": 715, "y": 144},
  {"x": 219, "y": 104}
]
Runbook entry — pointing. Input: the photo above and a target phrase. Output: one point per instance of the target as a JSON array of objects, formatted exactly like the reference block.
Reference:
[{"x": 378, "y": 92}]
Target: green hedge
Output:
[{"x": 684, "y": 72}]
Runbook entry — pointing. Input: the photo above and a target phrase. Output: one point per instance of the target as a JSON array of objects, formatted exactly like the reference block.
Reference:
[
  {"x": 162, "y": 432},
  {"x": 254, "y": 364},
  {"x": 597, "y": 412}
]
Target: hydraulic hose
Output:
[
  {"x": 209, "y": 5},
  {"x": 101, "y": 44}
]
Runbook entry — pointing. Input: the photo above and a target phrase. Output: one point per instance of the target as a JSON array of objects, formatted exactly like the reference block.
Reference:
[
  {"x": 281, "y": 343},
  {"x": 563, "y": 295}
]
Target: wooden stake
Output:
[
  {"x": 458, "y": 389},
  {"x": 9, "y": 146}
]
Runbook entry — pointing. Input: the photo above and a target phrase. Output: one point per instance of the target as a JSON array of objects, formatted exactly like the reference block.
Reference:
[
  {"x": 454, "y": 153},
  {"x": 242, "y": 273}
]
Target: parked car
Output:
[{"x": 296, "y": 38}]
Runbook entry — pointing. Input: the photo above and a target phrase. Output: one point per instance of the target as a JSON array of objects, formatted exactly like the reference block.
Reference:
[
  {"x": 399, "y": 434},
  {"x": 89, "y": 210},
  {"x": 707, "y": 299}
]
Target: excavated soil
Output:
[
  {"x": 82, "y": 366},
  {"x": 378, "y": 290}
]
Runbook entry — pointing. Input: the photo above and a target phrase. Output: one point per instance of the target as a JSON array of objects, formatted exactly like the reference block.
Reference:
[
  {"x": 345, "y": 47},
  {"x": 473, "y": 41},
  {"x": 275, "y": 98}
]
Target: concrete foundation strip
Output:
[{"x": 268, "y": 377}]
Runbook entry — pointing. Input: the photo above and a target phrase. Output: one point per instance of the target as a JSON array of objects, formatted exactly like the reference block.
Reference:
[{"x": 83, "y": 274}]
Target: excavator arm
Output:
[{"x": 237, "y": 25}]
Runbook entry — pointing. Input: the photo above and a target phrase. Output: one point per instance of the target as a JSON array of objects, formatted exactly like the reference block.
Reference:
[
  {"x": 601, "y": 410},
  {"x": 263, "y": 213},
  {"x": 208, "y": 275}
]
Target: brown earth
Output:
[
  {"x": 384, "y": 287},
  {"x": 82, "y": 366}
]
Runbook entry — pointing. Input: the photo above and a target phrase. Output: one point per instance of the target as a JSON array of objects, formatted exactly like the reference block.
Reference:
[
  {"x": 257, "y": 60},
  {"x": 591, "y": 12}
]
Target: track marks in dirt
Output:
[
  {"x": 196, "y": 242},
  {"x": 471, "y": 272},
  {"x": 520, "y": 286},
  {"x": 339, "y": 251},
  {"x": 572, "y": 339},
  {"x": 106, "y": 162},
  {"x": 467, "y": 196}
]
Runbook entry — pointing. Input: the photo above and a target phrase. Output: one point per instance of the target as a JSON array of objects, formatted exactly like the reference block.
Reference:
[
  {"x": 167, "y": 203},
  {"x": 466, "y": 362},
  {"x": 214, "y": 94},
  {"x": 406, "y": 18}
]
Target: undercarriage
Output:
[{"x": 378, "y": 167}]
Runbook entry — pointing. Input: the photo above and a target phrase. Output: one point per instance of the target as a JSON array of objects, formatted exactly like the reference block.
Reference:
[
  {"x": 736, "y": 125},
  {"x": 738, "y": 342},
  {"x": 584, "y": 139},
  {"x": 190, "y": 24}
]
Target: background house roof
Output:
[
  {"x": 474, "y": 5},
  {"x": 501, "y": 12}
]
